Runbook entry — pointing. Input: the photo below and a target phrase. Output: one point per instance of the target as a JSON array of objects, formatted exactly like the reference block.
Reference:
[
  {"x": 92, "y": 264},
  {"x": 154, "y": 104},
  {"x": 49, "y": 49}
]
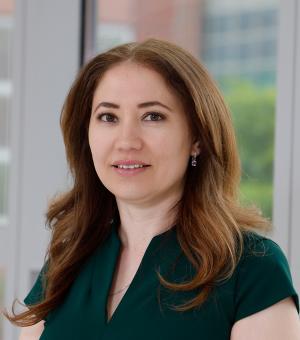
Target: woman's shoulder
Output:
[
  {"x": 261, "y": 250},
  {"x": 263, "y": 276},
  {"x": 262, "y": 258},
  {"x": 256, "y": 244}
]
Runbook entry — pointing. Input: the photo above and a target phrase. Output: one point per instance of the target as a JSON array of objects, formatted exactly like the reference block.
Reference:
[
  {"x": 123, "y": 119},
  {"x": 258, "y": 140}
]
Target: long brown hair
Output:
[{"x": 210, "y": 220}]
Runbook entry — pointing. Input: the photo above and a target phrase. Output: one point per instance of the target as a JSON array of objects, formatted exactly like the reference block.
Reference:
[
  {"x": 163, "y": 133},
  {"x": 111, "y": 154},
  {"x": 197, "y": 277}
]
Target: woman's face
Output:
[{"x": 136, "y": 120}]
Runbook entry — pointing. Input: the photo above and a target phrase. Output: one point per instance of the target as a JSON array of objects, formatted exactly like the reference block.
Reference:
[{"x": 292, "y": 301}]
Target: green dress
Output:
[{"x": 261, "y": 279}]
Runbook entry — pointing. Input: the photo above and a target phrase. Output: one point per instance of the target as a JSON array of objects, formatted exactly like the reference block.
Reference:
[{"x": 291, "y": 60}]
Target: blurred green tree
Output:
[{"x": 253, "y": 112}]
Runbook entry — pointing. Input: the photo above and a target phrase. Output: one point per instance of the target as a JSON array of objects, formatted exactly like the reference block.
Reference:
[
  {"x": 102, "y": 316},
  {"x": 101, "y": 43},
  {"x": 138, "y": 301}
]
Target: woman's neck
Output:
[{"x": 139, "y": 224}]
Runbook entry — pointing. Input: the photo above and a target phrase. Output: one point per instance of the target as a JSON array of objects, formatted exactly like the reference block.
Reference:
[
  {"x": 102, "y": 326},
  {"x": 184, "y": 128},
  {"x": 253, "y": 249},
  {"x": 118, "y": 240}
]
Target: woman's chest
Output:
[
  {"x": 144, "y": 314},
  {"x": 146, "y": 309},
  {"x": 125, "y": 270}
]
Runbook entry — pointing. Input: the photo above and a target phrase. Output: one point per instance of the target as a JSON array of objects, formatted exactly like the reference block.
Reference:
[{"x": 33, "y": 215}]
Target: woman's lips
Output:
[
  {"x": 130, "y": 172},
  {"x": 129, "y": 162}
]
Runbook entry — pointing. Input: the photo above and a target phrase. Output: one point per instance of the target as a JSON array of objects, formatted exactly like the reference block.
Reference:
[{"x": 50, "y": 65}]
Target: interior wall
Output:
[{"x": 46, "y": 60}]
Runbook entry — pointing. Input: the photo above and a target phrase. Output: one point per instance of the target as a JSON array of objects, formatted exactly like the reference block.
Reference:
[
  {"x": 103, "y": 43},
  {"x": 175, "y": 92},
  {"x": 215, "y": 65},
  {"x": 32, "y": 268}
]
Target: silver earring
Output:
[{"x": 194, "y": 160}]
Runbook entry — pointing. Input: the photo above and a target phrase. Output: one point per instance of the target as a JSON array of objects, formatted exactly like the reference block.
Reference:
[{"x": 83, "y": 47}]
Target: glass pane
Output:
[
  {"x": 1, "y": 299},
  {"x": 236, "y": 40},
  {"x": 6, "y": 26},
  {"x": 239, "y": 48}
]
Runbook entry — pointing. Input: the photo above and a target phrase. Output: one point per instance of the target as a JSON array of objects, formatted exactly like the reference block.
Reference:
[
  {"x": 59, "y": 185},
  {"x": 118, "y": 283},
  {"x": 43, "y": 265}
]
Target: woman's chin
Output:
[{"x": 133, "y": 197}]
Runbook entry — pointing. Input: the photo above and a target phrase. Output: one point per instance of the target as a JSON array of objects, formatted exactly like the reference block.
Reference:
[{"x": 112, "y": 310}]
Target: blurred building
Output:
[
  {"x": 232, "y": 37},
  {"x": 240, "y": 39},
  {"x": 178, "y": 21}
]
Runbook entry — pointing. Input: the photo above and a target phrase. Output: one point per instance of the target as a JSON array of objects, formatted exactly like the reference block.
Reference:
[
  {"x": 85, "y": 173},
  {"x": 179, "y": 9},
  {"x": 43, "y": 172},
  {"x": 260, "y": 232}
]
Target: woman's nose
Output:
[{"x": 129, "y": 136}]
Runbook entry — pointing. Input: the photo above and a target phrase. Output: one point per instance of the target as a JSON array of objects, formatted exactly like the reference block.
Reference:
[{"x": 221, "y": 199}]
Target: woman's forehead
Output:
[{"x": 136, "y": 82}]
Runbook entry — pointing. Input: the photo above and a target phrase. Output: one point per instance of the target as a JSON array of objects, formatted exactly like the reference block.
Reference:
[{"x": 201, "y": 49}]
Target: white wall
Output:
[{"x": 46, "y": 60}]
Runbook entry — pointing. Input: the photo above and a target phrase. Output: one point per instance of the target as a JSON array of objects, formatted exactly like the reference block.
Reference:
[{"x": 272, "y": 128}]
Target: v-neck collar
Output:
[{"x": 106, "y": 261}]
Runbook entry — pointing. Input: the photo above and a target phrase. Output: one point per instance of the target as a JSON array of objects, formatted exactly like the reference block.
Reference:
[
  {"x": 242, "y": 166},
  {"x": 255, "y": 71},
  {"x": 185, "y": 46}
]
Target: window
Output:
[{"x": 247, "y": 79}]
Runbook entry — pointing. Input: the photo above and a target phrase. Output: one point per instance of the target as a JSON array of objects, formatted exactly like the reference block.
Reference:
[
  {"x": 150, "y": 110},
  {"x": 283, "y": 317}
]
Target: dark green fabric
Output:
[
  {"x": 261, "y": 279},
  {"x": 37, "y": 292}
]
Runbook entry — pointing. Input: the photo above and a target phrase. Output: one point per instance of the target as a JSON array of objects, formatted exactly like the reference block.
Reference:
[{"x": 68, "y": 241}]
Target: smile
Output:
[
  {"x": 132, "y": 166},
  {"x": 130, "y": 170}
]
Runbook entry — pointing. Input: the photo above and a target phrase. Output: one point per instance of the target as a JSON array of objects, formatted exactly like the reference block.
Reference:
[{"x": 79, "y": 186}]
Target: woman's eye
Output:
[
  {"x": 106, "y": 117},
  {"x": 154, "y": 116}
]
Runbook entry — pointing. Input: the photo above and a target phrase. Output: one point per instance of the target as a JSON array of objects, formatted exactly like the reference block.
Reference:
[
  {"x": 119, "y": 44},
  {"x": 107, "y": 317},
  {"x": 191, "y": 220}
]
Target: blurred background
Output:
[{"x": 250, "y": 47}]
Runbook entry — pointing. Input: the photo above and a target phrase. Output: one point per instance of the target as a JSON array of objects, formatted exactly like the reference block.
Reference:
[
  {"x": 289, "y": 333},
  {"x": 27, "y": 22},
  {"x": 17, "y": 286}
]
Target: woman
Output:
[{"x": 151, "y": 241}]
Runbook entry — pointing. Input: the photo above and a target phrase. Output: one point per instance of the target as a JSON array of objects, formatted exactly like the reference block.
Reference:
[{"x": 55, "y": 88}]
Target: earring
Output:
[{"x": 194, "y": 160}]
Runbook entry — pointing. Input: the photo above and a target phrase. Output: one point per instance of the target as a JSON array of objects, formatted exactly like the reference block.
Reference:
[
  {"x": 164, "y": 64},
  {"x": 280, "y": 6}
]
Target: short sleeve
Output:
[
  {"x": 36, "y": 294},
  {"x": 264, "y": 278}
]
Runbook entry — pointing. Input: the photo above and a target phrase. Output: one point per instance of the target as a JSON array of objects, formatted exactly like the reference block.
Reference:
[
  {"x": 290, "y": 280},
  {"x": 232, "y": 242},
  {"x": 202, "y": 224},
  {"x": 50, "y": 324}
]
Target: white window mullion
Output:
[
  {"x": 286, "y": 208},
  {"x": 295, "y": 204}
]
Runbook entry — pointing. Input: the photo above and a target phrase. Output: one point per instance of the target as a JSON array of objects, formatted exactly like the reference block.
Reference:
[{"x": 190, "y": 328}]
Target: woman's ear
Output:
[{"x": 196, "y": 148}]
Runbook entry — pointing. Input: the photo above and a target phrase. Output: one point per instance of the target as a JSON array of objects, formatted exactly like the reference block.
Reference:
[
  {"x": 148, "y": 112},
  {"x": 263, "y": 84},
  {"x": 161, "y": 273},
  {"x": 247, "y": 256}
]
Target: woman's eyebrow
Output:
[
  {"x": 141, "y": 105},
  {"x": 146, "y": 104}
]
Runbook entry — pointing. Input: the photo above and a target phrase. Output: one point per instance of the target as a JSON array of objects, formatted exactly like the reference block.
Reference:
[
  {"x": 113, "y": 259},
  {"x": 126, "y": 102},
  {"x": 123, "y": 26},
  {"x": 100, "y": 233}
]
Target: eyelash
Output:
[{"x": 162, "y": 117}]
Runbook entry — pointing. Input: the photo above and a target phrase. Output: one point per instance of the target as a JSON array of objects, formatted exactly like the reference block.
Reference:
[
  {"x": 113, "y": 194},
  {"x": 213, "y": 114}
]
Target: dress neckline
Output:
[
  {"x": 155, "y": 246},
  {"x": 155, "y": 239}
]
